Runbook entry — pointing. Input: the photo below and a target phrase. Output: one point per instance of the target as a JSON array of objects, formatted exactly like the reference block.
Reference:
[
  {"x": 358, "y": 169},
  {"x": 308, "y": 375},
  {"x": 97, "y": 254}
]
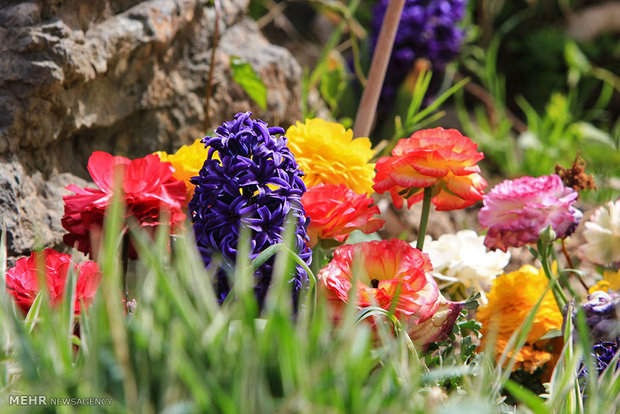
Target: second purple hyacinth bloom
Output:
[{"x": 427, "y": 29}]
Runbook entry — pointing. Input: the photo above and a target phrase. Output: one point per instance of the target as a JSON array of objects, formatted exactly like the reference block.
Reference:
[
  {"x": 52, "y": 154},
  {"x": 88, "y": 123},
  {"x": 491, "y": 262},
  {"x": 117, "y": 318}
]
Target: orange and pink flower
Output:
[
  {"x": 439, "y": 158},
  {"x": 395, "y": 277},
  {"x": 23, "y": 284},
  {"x": 148, "y": 189},
  {"x": 336, "y": 210}
]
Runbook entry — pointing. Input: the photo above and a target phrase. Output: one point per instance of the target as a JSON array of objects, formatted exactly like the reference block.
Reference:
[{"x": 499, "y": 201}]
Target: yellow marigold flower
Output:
[
  {"x": 187, "y": 161},
  {"x": 511, "y": 299},
  {"x": 327, "y": 153},
  {"x": 611, "y": 281}
]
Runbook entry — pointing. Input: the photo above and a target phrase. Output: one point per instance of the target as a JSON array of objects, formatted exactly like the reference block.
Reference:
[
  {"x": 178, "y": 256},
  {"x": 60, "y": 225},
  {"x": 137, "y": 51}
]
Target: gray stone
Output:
[
  {"x": 124, "y": 76},
  {"x": 31, "y": 206}
]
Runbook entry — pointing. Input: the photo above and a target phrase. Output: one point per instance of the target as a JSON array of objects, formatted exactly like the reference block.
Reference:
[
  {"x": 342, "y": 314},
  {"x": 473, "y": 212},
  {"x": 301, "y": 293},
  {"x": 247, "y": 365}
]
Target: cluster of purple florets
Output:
[
  {"x": 602, "y": 311},
  {"x": 603, "y": 353},
  {"x": 428, "y": 29},
  {"x": 253, "y": 182}
]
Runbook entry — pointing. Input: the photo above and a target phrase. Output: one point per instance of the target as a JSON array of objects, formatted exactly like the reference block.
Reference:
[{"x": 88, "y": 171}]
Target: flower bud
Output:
[{"x": 547, "y": 235}]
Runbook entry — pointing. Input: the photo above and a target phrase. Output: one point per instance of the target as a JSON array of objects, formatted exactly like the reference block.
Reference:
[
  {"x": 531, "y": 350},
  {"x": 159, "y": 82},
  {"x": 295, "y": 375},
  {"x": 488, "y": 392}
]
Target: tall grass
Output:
[{"x": 181, "y": 352}]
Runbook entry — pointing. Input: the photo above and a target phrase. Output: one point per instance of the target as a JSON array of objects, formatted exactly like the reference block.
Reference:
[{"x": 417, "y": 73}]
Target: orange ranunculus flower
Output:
[
  {"x": 511, "y": 299},
  {"x": 439, "y": 158},
  {"x": 395, "y": 275},
  {"x": 336, "y": 210}
]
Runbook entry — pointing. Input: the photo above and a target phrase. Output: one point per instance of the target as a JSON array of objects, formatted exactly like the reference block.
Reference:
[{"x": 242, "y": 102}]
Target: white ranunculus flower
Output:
[
  {"x": 602, "y": 235},
  {"x": 463, "y": 257}
]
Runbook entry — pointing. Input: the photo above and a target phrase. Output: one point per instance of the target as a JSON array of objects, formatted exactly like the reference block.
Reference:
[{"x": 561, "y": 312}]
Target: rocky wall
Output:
[{"x": 124, "y": 76}]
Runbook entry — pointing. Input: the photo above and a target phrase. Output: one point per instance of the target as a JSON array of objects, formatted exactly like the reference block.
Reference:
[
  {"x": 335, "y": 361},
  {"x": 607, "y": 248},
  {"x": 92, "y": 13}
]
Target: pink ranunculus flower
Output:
[
  {"x": 395, "y": 277},
  {"x": 515, "y": 211}
]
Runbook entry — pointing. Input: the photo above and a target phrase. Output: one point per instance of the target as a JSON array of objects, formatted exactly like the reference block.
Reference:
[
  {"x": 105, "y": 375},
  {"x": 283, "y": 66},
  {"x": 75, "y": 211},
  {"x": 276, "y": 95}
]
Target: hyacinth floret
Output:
[
  {"x": 250, "y": 179},
  {"x": 603, "y": 353},
  {"x": 427, "y": 29}
]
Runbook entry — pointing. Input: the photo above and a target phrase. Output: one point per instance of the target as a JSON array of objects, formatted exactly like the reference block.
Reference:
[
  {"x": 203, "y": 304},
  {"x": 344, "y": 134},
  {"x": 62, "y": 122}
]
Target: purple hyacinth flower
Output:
[
  {"x": 602, "y": 311},
  {"x": 603, "y": 352},
  {"x": 428, "y": 29},
  {"x": 253, "y": 182}
]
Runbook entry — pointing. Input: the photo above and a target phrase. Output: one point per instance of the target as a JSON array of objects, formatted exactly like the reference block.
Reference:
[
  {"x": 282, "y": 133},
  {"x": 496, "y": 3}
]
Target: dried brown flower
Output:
[{"x": 576, "y": 176}]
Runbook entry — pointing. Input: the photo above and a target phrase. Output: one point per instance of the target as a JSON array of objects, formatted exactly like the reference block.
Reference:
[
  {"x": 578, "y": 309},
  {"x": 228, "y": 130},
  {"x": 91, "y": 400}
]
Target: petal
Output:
[
  {"x": 469, "y": 187},
  {"x": 438, "y": 326},
  {"x": 405, "y": 175},
  {"x": 445, "y": 201},
  {"x": 102, "y": 167}
]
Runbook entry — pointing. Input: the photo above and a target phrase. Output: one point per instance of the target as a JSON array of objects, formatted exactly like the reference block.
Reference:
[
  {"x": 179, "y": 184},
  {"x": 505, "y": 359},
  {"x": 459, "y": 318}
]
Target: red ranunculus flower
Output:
[
  {"x": 336, "y": 210},
  {"x": 22, "y": 280},
  {"x": 439, "y": 158},
  {"x": 393, "y": 272},
  {"x": 148, "y": 190}
]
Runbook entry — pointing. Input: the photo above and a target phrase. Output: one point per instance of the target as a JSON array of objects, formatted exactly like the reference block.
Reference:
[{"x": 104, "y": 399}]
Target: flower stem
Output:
[
  {"x": 572, "y": 266},
  {"x": 558, "y": 293},
  {"x": 317, "y": 259},
  {"x": 569, "y": 261},
  {"x": 125, "y": 262},
  {"x": 426, "y": 208}
]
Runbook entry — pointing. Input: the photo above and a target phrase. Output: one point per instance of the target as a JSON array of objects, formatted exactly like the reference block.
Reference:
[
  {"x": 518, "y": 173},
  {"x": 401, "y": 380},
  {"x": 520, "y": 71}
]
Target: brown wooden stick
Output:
[{"x": 368, "y": 105}]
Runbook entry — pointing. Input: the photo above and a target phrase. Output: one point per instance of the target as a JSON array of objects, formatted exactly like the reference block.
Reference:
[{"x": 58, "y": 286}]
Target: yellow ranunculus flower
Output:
[
  {"x": 511, "y": 299},
  {"x": 611, "y": 281},
  {"x": 327, "y": 153},
  {"x": 187, "y": 162}
]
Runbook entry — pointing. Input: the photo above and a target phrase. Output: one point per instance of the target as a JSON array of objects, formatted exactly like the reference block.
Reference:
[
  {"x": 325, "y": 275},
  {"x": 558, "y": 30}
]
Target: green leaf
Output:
[
  {"x": 575, "y": 58},
  {"x": 33, "y": 314},
  {"x": 527, "y": 397},
  {"x": 472, "y": 301},
  {"x": 534, "y": 252},
  {"x": 554, "y": 333},
  {"x": 587, "y": 131},
  {"x": 420, "y": 116},
  {"x": 265, "y": 255},
  {"x": 246, "y": 77},
  {"x": 357, "y": 236},
  {"x": 371, "y": 311},
  {"x": 472, "y": 325},
  {"x": 333, "y": 85}
]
